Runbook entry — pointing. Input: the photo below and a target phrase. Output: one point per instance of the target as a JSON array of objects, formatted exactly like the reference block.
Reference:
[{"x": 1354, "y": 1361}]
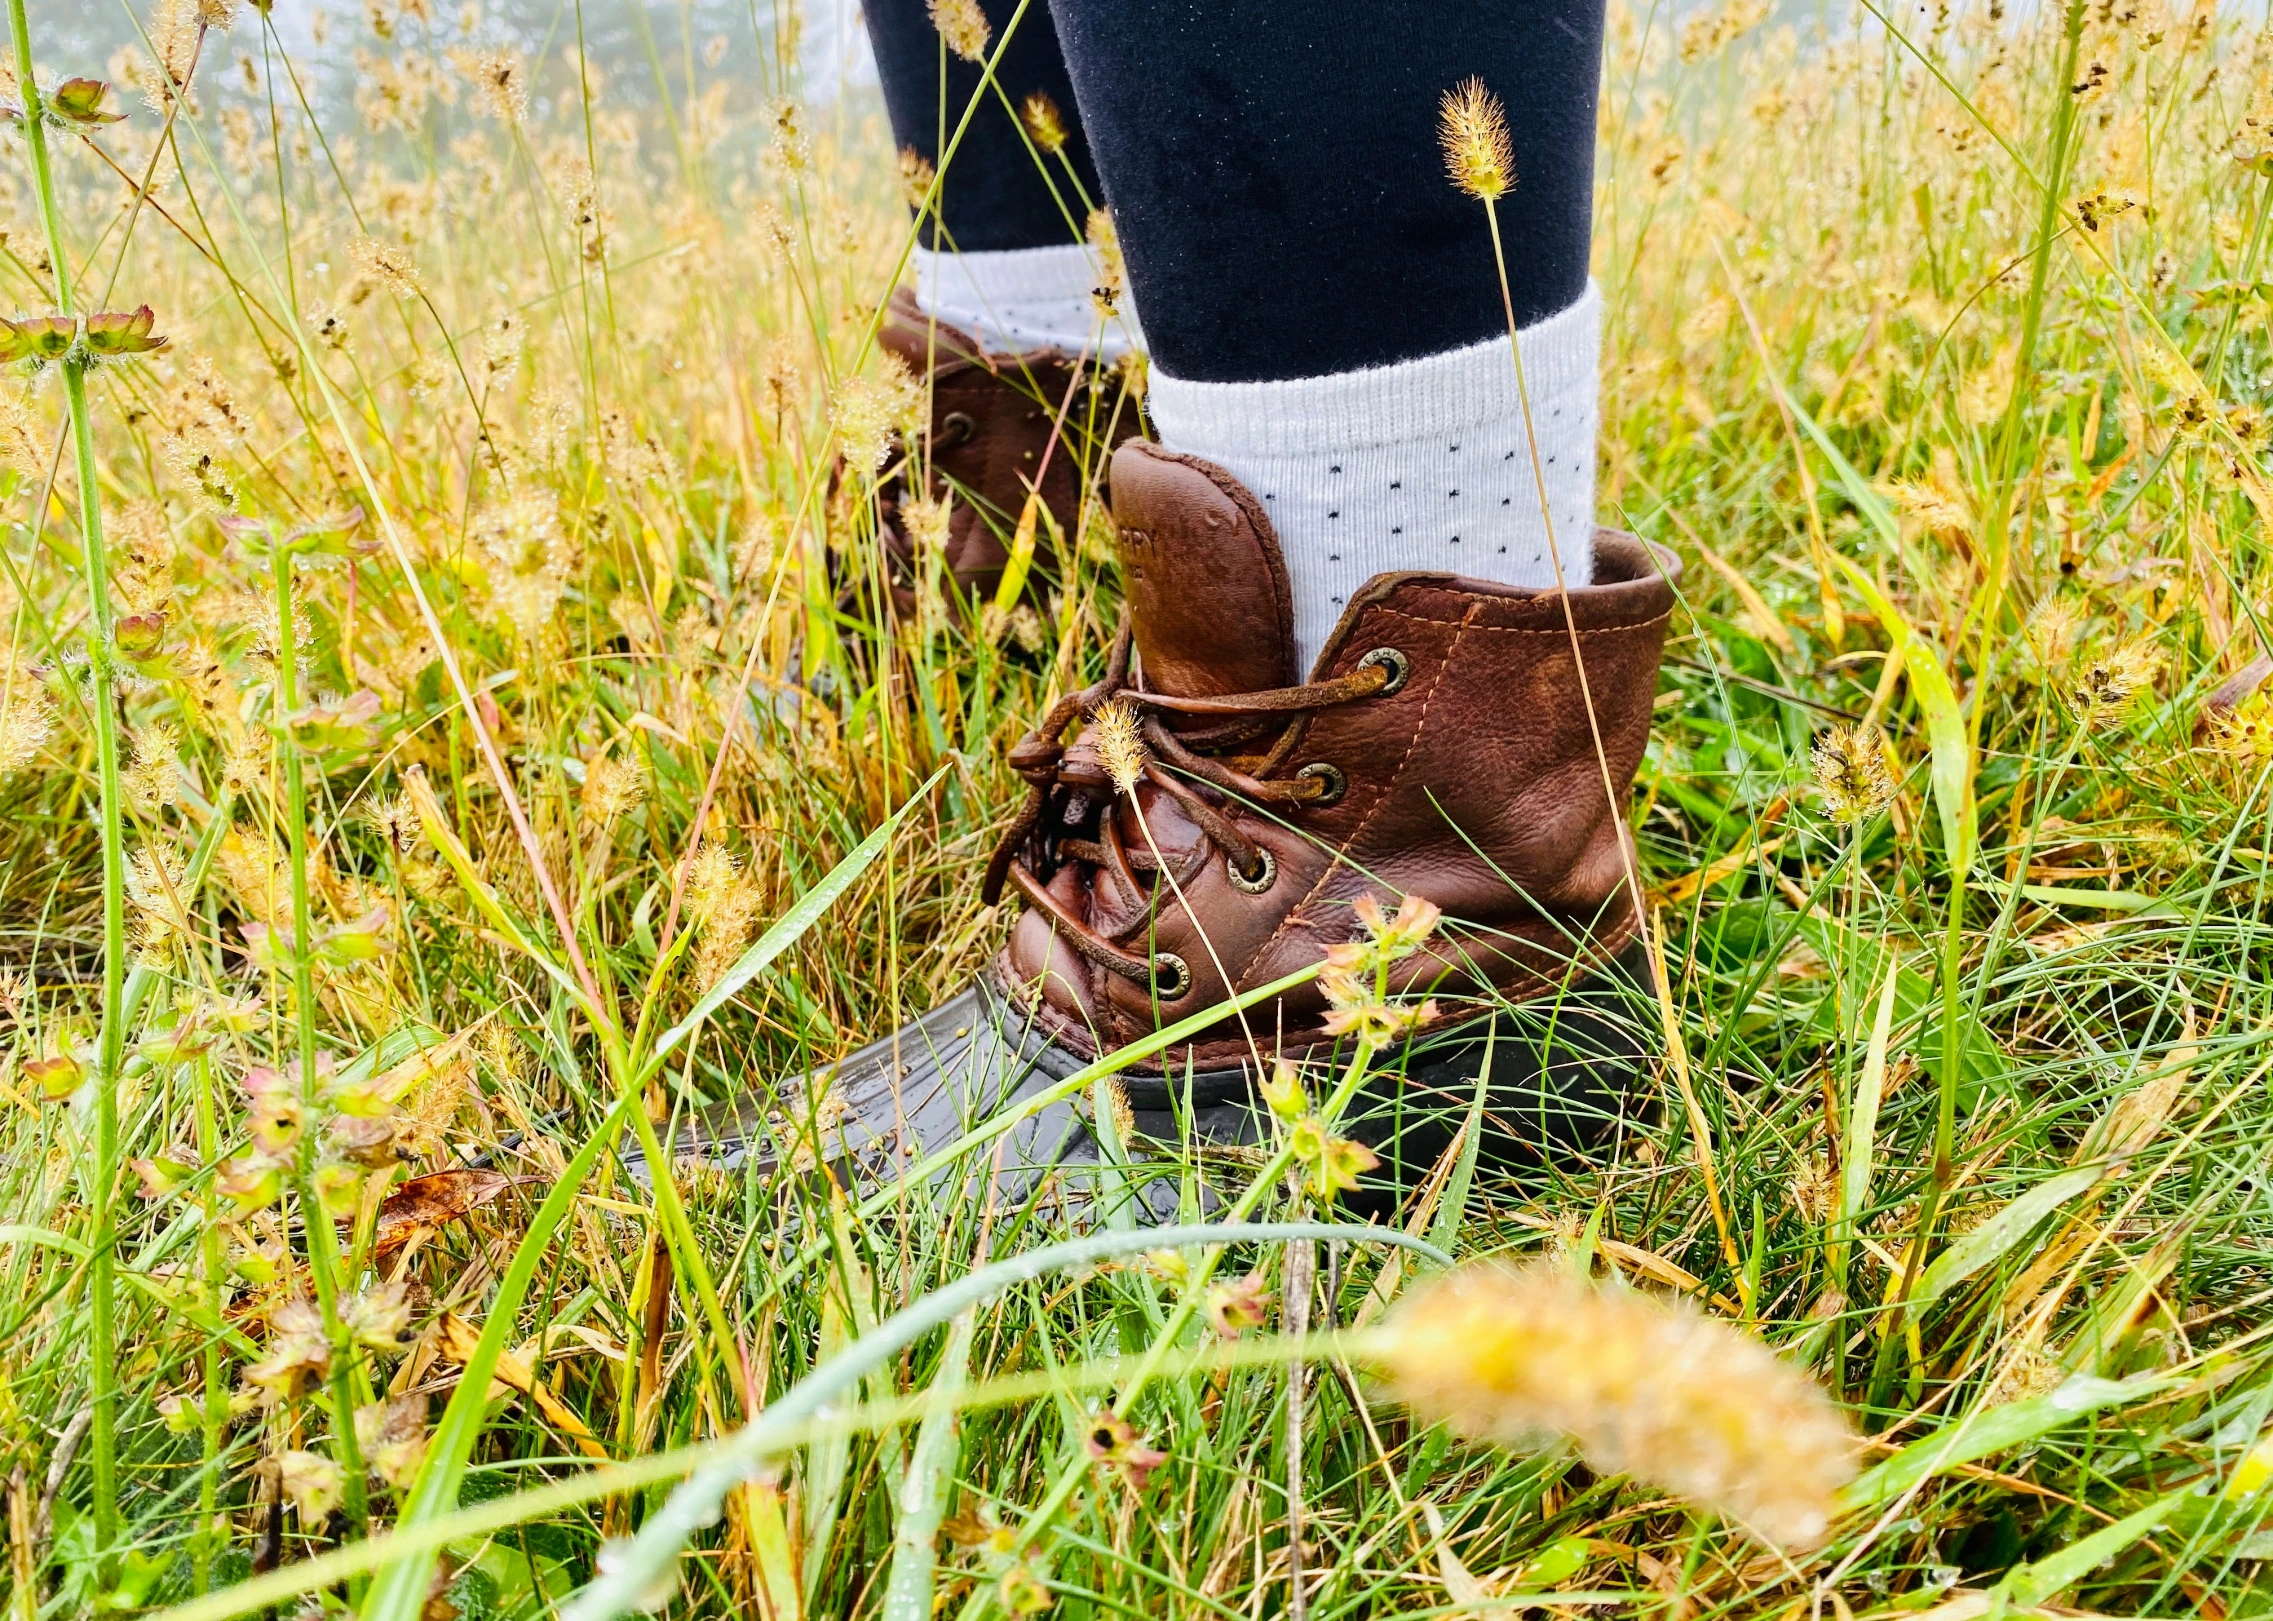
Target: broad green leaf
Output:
[
  {"x": 1988, "y": 1243},
  {"x": 2039, "y": 1580},
  {"x": 1946, "y": 733},
  {"x": 929, "y": 1484},
  {"x": 1862, "y": 1129},
  {"x": 1862, "y": 959},
  {"x": 2099, "y": 900},
  {"x": 1982, "y": 1434},
  {"x": 1946, "y": 737}
]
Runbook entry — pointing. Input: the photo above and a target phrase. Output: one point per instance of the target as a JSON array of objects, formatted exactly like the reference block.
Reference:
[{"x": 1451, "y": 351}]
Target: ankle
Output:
[
  {"x": 1423, "y": 466},
  {"x": 1022, "y": 299}
]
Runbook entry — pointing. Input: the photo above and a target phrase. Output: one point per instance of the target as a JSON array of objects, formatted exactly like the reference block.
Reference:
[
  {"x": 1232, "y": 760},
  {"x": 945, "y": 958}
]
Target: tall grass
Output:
[{"x": 448, "y": 731}]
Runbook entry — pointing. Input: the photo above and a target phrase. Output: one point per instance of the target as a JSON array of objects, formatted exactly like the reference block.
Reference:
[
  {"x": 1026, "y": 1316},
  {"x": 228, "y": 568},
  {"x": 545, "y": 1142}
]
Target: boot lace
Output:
[{"x": 1241, "y": 750}]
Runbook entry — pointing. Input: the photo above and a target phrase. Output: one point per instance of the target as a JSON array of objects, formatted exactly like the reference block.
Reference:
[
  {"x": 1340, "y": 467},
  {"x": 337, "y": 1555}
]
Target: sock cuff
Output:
[
  {"x": 1441, "y": 394},
  {"x": 1014, "y": 299},
  {"x": 1010, "y": 276}
]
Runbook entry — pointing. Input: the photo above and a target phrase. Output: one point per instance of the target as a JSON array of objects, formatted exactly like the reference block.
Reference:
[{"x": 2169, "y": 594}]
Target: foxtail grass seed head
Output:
[
  {"x": 611, "y": 787},
  {"x": 1044, "y": 123},
  {"x": 27, "y": 721},
  {"x": 1529, "y": 1357},
  {"x": 1117, "y": 733},
  {"x": 712, "y": 873},
  {"x": 1851, "y": 772},
  {"x": 19, "y": 436},
  {"x": 868, "y": 411},
  {"x": 500, "y": 80},
  {"x": 2246, "y": 730},
  {"x": 963, "y": 26},
  {"x": 916, "y": 176},
  {"x": 2107, "y": 683},
  {"x": 386, "y": 265},
  {"x": 927, "y": 521},
  {"x": 2052, "y": 634},
  {"x": 1472, "y": 128},
  {"x": 1112, "y": 270}
]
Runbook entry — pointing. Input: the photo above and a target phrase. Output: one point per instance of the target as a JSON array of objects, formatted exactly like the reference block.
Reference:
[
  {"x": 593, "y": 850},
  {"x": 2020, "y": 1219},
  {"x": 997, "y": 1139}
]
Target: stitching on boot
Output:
[{"x": 1562, "y": 631}]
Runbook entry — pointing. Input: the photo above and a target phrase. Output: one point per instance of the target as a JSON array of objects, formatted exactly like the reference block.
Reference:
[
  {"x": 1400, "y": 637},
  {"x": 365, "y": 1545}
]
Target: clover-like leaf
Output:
[
  {"x": 332, "y": 537},
  {"x": 269, "y": 947},
  {"x": 36, "y": 340},
  {"x": 78, "y": 104},
  {"x": 139, "y": 636},
  {"x": 165, "y": 1171},
  {"x": 115, "y": 334},
  {"x": 250, "y": 1183},
  {"x": 363, "y": 940},
  {"x": 57, "y": 1075},
  {"x": 343, "y": 726},
  {"x": 174, "y": 1037}
]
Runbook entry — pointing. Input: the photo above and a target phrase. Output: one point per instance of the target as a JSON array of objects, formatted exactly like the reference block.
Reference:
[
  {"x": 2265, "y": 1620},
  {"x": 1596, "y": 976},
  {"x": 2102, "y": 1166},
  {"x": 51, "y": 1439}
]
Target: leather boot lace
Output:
[{"x": 1240, "y": 750}]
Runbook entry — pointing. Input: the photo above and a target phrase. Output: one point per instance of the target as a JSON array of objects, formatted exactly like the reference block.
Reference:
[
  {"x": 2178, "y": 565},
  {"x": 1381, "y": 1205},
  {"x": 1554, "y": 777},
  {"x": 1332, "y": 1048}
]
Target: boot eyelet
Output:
[
  {"x": 1398, "y": 666},
  {"x": 954, "y": 428},
  {"x": 1266, "y": 873},
  {"x": 1171, "y": 975},
  {"x": 1331, "y": 783}
]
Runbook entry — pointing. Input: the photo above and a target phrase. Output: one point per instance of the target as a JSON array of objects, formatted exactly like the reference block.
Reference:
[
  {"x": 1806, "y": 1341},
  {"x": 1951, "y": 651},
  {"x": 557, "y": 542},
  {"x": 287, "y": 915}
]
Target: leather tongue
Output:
[{"x": 1206, "y": 582}]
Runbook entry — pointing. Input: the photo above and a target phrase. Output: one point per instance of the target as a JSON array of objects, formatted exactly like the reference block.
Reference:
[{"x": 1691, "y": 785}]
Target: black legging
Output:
[{"x": 1273, "y": 165}]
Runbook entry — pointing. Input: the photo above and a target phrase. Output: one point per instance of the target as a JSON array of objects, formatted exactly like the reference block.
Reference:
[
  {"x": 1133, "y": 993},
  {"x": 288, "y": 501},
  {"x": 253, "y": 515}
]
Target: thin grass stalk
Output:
[
  {"x": 323, "y": 1242},
  {"x": 533, "y": 1504},
  {"x": 924, "y": 1494},
  {"x": 95, "y": 567},
  {"x": 213, "y": 1421}
]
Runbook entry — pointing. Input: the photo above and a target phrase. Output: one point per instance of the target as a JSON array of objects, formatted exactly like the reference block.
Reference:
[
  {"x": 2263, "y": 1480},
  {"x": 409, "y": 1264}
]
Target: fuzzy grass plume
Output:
[
  {"x": 1529, "y": 1357},
  {"x": 1478, "y": 153}
]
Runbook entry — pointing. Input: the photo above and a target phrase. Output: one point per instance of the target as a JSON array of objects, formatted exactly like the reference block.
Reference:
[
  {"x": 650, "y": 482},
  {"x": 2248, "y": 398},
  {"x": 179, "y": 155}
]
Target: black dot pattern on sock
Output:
[{"x": 1383, "y": 509}]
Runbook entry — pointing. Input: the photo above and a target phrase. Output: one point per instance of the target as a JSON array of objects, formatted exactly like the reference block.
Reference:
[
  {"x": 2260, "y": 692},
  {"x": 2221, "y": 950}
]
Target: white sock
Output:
[
  {"x": 1421, "y": 465},
  {"x": 1024, "y": 298}
]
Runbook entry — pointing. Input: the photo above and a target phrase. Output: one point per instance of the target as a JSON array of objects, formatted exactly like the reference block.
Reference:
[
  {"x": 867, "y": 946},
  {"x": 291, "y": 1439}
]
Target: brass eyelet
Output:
[
  {"x": 954, "y": 428},
  {"x": 1266, "y": 874},
  {"x": 1171, "y": 975},
  {"x": 1331, "y": 783},
  {"x": 1388, "y": 658}
]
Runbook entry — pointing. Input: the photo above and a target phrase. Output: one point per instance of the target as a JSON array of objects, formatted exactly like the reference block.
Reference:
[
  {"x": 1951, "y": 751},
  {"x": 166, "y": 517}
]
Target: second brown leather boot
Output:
[
  {"x": 1001, "y": 425},
  {"x": 1441, "y": 751}
]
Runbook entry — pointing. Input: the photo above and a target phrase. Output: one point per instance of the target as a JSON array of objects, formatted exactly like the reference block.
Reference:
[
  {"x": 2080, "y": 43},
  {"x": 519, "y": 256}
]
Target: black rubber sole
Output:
[{"x": 1559, "y": 1080}]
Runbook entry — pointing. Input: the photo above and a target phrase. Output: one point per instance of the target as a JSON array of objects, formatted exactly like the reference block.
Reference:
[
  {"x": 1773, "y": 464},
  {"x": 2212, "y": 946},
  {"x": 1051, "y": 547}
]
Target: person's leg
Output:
[
  {"x": 1001, "y": 320},
  {"x": 1350, "y": 696},
  {"x": 1002, "y": 257},
  {"x": 1320, "y": 302}
]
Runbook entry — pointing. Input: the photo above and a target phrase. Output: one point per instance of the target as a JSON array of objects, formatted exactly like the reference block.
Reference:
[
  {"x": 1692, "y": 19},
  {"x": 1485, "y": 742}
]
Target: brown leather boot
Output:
[
  {"x": 1000, "y": 425},
  {"x": 1441, "y": 748}
]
